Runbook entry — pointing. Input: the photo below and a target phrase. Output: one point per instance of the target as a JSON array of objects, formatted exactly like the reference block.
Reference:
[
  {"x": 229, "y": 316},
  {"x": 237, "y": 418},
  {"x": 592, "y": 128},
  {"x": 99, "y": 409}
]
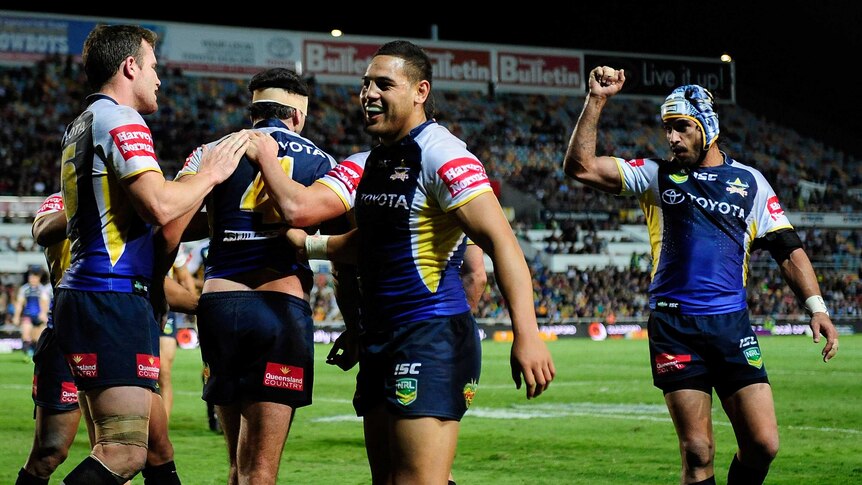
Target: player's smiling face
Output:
[{"x": 388, "y": 98}]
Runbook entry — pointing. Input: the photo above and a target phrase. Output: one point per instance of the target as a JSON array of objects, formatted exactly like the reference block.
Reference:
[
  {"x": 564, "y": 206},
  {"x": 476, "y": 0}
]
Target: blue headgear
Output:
[{"x": 695, "y": 103}]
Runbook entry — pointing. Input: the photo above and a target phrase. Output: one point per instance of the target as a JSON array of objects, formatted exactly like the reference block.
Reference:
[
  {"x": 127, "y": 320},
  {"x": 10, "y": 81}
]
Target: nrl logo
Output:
[
  {"x": 470, "y": 392},
  {"x": 401, "y": 173}
]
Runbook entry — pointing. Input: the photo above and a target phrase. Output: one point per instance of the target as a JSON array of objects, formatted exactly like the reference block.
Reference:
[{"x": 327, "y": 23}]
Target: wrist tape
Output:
[
  {"x": 315, "y": 247},
  {"x": 815, "y": 304}
]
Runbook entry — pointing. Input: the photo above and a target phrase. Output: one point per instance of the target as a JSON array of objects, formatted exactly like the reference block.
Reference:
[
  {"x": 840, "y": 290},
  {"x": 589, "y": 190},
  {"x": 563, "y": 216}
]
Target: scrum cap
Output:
[{"x": 695, "y": 103}]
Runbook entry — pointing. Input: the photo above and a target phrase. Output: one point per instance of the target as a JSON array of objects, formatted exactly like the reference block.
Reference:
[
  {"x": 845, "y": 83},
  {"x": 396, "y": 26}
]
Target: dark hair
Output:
[
  {"x": 418, "y": 64},
  {"x": 108, "y": 46},
  {"x": 277, "y": 77}
]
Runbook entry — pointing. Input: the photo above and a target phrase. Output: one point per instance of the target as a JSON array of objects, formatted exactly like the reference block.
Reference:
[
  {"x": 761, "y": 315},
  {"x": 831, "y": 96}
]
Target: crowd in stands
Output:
[{"x": 520, "y": 138}]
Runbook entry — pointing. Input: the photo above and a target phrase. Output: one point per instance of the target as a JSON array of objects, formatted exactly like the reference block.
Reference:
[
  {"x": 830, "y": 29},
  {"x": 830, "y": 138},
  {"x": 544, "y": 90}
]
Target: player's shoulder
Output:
[{"x": 439, "y": 146}]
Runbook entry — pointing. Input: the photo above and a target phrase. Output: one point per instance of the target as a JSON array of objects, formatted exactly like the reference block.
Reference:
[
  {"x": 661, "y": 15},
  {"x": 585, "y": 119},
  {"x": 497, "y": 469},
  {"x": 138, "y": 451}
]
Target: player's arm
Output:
[
  {"x": 796, "y": 269},
  {"x": 179, "y": 298},
  {"x": 159, "y": 201},
  {"x": 299, "y": 205},
  {"x": 483, "y": 220},
  {"x": 581, "y": 161},
  {"x": 49, "y": 229},
  {"x": 473, "y": 274},
  {"x": 345, "y": 350}
]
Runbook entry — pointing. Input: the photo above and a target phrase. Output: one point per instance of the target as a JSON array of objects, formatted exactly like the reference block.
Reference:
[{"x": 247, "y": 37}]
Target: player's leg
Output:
[
  {"x": 264, "y": 430},
  {"x": 691, "y": 412},
  {"x": 167, "y": 352},
  {"x": 230, "y": 420},
  {"x": 752, "y": 413},
  {"x": 160, "y": 468},
  {"x": 424, "y": 449},
  {"x": 375, "y": 423},
  {"x": 55, "y": 432}
]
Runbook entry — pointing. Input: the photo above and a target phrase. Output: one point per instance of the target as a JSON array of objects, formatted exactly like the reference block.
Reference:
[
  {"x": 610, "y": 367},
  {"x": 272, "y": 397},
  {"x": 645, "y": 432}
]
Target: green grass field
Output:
[{"x": 601, "y": 422}]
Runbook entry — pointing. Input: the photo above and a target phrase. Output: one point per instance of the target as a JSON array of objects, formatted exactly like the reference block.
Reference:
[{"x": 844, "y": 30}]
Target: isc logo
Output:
[{"x": 407, "y": 369}]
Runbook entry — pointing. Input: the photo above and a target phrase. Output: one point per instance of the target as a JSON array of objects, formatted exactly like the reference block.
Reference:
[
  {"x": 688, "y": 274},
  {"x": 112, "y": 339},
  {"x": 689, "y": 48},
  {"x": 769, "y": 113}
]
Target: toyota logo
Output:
[{"x": 672, "y": 197}]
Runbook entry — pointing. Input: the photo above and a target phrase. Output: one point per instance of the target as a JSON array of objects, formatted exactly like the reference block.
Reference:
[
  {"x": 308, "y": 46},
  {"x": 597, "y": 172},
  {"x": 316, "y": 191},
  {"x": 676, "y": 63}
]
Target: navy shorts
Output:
[
  {"x": 704, "y": 352},
  {"x": 256, "y": 345},
  {"x": 53, "y": 385},
  {"x": 170, "y": 329},
  {"x": 425, "y": 368},
  {"x": 109, "y": 339}
]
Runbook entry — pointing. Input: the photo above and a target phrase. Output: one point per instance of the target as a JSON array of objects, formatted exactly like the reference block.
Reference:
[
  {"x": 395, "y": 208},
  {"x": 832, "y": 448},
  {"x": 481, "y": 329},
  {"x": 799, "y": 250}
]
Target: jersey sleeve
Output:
[
  {"x": 769, "y": 214},
  {"x": 54, "y": 203},
  {"x": 636, "y": 174},
  {"x": 344, "y": 178},
  {"x": 458, "y": 176},
  {"x": 128, "y": 148}
]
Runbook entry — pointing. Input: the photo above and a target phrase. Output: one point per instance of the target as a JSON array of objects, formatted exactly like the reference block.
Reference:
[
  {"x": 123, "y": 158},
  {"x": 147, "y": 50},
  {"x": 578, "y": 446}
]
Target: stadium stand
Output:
[{"x": 589, "y": 253}]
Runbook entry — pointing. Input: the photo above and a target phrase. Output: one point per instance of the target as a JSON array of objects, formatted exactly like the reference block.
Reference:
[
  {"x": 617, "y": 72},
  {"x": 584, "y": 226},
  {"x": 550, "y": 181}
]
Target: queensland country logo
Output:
[
  {"x": 752, "y": 355},
  {"x": 83, "y": 365},
  {"x": 470, "y": 392},
  {"x": 667, "y": 363},
  {"x": 68, "y": 393},
  {"x": 284, "y": 376},
  {"x": 148, "y": 366},
  {"x": 406, "y": 390}
]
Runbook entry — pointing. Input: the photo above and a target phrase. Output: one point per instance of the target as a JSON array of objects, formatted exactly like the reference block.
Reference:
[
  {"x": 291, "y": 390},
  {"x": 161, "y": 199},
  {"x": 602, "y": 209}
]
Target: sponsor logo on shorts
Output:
[
  {"x": 68, "y": 393},
  {"x": 284, "y": 376},
  {"x": 35, "y": 385},
  {"x": 83, "y": 365},
  {"x": 148, "y": 366},
  {"x": 206, "y": 373},
  {"x": 406, "y": 390},
  {"x": 752, "y": 355},
  {"x": 470, "y": 392},
  {"x": 666, "y": 363}
]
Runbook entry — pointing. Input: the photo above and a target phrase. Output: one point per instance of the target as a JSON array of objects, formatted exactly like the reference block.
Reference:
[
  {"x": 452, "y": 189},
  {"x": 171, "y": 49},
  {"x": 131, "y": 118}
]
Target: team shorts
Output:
[
  {"x": 53, "y": 385},
  {"x": 109, "y": 339},
  {"x": 425, "y": 368},
  {"x": 704, "y": 352},
  {"x": 170, "y": 328},
  {"x": 256, "y": 345}
]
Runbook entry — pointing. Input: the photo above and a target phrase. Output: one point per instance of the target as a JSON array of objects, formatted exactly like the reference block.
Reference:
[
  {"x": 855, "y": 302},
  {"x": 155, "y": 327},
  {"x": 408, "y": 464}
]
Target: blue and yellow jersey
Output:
[
  {"x": 245, "y": 226},
  {"x": 111, "y": 244},
  {"x": 411, "y": 244},
  {"x": 701, "y": 223}
]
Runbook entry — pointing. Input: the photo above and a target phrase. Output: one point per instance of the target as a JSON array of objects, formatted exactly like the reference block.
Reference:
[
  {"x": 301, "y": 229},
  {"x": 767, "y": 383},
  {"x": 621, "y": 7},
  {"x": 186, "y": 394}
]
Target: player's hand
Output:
[
  {"x": 345, "y": 350},
  {"x": 261, "y": 145},
  {"x": 222, "y": 160},
  {"x": 530, "y": 357},
  {"x": 821, "y": 324},
  {"x": 606, "y": 81}
]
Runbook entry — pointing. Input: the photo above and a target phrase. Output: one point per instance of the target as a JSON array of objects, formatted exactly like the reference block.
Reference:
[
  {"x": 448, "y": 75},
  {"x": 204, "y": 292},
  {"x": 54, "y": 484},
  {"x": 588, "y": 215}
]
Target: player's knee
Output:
[
  {"x": 122, "y": 430},
  {"x": 698, "y": 452},
  {"x": 49, "y": 456},
  {"x": 760, "y": 452}
]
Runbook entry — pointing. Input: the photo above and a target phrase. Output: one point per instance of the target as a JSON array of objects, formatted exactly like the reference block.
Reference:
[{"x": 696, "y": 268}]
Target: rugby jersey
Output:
[
  {"x": 111, "y": 245},
  {"x": 411, "y": 244},
  {"x": 245, "y": 225},
  {"x": 701, "y": 224}
]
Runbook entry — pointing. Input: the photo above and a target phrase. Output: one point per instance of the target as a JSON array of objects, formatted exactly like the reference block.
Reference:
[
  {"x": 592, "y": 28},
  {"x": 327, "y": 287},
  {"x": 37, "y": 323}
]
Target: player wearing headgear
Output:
[
  {"x": 254, "y": 319},
  {"x": 706, "y": 213}
]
